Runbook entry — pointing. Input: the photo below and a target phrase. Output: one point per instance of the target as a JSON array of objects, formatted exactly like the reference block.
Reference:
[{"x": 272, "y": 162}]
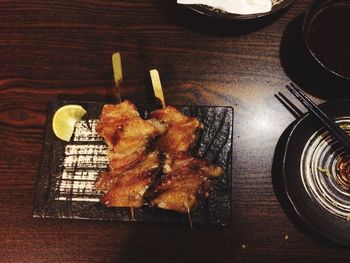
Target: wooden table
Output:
[{"x": 52, "y": 49}]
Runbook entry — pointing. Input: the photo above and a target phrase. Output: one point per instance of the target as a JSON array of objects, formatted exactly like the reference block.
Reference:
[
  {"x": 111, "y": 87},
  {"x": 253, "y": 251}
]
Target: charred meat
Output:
[
  {"x": 141, "y": 150},
  {"x": 127, "y": 189},
  {"x": 127, "y": 134},
  {"x": 184, "y": 184},
  {"x": 182, "y": 130},
  {"x": 132, "y": 162},
  {"x": 185, "y": 180}
]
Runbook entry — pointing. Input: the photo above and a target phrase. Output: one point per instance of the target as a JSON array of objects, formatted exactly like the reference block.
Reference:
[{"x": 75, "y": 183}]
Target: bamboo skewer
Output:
[
  {"x": 157, "y": 86},
  {"x": 118, "y": 78},
  {"x": 132, "y": 212},
  {"x": 189, "y": 215},
  {"x": 118, "y": 75}
]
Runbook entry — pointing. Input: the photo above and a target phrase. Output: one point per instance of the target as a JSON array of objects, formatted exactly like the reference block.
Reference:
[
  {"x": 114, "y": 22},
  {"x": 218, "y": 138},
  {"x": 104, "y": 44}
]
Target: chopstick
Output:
[
  {"x": 297, "y": 113},
  {"x": 339, "y": 134}
]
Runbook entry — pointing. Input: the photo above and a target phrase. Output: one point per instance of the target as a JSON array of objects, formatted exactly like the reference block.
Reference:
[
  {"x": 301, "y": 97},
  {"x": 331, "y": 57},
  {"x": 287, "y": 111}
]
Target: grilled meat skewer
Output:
[
  {"x": 182, "y": 131},
  {"x": 184, "y": 184},
  {"x": 126, "y": 134},
  {"x": 128, "y": 188},
  {"x": 132, "y": 162},
  {"x": 135, "y": 164},
  {"x": 186, "y": 179}
]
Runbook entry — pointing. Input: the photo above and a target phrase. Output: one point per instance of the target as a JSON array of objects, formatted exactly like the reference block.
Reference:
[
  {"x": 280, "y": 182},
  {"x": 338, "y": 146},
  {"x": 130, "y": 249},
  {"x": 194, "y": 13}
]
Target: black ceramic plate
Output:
[
  {"x": 209, "y": 11},
  {"x": 318, "y": 193},
  {"x": 69, "y": 170}
]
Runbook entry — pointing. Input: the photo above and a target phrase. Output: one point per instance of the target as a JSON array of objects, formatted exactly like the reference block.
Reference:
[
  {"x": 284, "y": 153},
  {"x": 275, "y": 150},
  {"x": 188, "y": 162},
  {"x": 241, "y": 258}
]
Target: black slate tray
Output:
[{"x": 68, "y": 170}]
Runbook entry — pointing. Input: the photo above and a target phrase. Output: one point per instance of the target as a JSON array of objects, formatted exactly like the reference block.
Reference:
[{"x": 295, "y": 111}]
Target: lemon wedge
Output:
[{"x": 64, "y": 120}]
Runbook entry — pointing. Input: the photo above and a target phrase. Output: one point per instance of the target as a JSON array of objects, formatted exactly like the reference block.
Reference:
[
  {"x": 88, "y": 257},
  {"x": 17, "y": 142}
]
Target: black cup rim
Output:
[{"x": 313, "y": 9}]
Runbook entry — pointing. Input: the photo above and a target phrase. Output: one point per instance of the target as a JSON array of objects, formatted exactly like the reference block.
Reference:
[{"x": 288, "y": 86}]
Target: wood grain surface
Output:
[{"x": 60, "y": 49}]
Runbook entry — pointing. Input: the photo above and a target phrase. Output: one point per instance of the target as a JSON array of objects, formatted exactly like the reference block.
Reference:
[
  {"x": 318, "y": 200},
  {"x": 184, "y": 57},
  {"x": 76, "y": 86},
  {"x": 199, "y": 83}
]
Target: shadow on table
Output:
[
  {"x": 173, "y": 244},
  {"x": 278, "y": 186},
  {"x": 187, "y": 18},
  {"x": 303, "y": 69}
]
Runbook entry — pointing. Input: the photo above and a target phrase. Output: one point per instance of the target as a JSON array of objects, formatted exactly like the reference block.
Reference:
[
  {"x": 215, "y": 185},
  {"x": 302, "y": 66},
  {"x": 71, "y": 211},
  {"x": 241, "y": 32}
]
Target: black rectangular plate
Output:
[{"x": 68, "y": 170}]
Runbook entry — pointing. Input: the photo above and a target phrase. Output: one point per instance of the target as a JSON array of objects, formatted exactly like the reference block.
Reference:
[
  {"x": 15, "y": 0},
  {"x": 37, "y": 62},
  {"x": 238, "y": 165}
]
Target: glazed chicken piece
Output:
[
  {"x": 181, "y": 133},
  {"x": 185, "y": 183},
  {"x": 127, "y": 189},
  {"x": 113, "y": 117},
  {"x": 126, "y": 134}
]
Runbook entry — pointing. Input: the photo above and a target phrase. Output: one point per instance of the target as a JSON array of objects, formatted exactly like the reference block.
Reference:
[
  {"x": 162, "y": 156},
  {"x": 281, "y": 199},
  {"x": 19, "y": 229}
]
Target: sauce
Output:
[
  {"x": 343, "y": 172},
  {"x": 329, "y": 37}
]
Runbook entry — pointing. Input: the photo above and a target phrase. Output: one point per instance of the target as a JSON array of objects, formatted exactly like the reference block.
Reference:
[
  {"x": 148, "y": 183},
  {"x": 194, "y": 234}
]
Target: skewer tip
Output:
[
  {"x": 118, "y": 75},
  {"x": 157, "y": 86},
  {"x": 132, "y": 213},
  {"x": 189, "y": 215},
  {"x": 117, "y": 67}
]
